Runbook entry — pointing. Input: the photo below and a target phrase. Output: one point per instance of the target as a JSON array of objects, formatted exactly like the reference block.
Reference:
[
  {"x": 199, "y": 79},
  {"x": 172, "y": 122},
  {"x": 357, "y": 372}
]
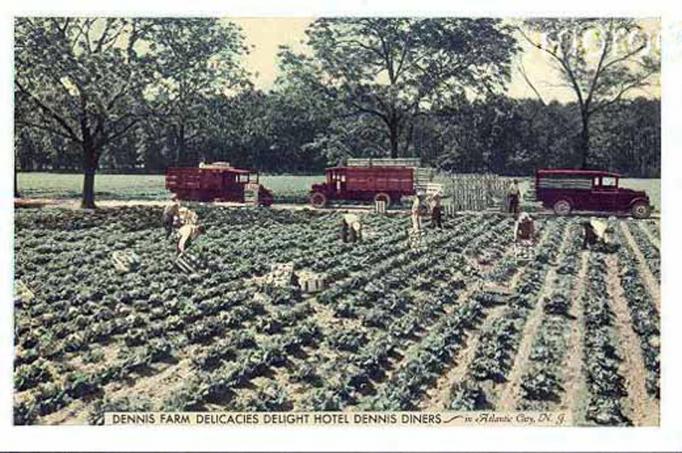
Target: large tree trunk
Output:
[
  {"x": 584, "y": 145},
  {"x": 89, "y": 168},
  {"x": 184, "y": 155},
  {"x": 393, "y": 137},
  {"x": 16, "y": 185}
]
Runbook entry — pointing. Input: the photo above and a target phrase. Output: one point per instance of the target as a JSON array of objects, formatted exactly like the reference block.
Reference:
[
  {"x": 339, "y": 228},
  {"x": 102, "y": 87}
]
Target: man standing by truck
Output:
[
  {"x": 416, "y": 214},
  {"x": 513, "y": 197}
]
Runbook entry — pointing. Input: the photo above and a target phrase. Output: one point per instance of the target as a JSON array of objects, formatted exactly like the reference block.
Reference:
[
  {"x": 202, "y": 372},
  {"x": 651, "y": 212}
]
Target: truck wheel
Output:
[
  {"x": 318, "y": 200},
  {"x": 562, "y": 207},
  {"x": 640, "y": 210},
  {"x": 383, "y": 196}
]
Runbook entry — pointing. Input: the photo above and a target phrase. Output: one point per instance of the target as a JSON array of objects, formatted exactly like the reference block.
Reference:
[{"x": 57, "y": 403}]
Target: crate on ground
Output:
[
  {"x": 311, "y": 282},
  {"x": 187, "y": 263},
  {"x": 380, "y": 206},
  {"x": 280, "y": 274},
  {"x": 125, "y": 261}
]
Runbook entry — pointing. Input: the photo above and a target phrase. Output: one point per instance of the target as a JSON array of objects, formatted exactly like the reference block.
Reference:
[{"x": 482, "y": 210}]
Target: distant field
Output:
[
  {"x": 147, "y": 187},
  {"x": 151, "y": 187}
]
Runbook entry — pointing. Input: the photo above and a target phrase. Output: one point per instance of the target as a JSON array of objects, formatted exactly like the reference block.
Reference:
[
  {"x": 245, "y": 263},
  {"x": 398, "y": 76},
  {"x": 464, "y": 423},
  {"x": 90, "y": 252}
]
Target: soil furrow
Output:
[
  {"x": 438, "y": 398},
  {"x": 510, "y": 392},
  {"x": 574, "y": 379},
  {"x": 644, "y": 411},
  {"x": 650, "y": 235},
  {"x": 652, "y": 284}
]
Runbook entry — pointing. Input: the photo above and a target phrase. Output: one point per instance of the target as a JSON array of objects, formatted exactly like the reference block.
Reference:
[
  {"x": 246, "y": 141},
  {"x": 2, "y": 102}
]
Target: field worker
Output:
[
  {"x": 513, "y": 197},
  {"x": 524, "y": 230},
  {"x": 354, "y": 225},
  {"x": 170, "y": 212},
  {"x": 595, "y": 231},
  {"x": 187, "y": 216},
  {"x": 188, "y": 233},
  {"x": 589, "y": 235},
  {"x": 345, "y": 230},
  {"x": 436, "y": 211},
  {"x": 416, "y": 213}
]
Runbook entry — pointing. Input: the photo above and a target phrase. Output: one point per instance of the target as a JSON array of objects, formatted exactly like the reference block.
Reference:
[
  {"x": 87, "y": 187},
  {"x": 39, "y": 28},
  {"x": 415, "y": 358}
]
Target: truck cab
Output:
[{"x": 568, "y": 190}]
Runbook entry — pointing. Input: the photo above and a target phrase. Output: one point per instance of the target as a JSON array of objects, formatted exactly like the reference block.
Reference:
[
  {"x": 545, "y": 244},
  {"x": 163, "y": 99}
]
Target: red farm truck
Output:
[
  {"x": 565, "y": 191},
  {"x": 378, "y": 183},
  {"x": 217, "y": 182}
]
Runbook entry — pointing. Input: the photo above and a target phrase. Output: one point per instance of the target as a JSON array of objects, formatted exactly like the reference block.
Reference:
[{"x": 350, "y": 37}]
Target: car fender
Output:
[
  {"x": 637, "y": 200},
  {"x": 319, "y": 188},
  {"x": 561, "y": 197}
]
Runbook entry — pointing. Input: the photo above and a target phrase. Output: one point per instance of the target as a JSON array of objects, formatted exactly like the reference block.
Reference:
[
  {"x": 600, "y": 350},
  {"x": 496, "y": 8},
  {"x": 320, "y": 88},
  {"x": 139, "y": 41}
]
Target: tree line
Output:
[{"x": 140, "y": 95}]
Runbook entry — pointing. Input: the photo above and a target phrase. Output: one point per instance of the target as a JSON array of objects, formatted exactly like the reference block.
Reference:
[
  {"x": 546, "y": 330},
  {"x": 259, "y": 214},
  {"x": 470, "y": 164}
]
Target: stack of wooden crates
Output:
[
  {"x": 474, "y": 192},
  {"x": 251, "y": 193}
]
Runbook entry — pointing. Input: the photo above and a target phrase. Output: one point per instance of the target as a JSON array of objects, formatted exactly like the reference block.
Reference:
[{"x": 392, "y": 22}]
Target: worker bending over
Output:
[
  {"x": 524, "y": 233},
  {"x": 188, "y": 234},
  {"x": 597, "y": 233},
  {"x": 351, "y": 228},
  {"x": 170, "y": 212}
]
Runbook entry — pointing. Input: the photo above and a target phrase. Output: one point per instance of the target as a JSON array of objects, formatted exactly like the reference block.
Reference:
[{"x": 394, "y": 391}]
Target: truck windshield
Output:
[{"x": 609, "y": 182}]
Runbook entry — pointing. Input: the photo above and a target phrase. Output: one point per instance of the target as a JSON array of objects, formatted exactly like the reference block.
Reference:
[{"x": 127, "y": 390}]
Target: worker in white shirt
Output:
[
  {"x": 188, "y": 234},
  {"x": 416, "y": 213}
]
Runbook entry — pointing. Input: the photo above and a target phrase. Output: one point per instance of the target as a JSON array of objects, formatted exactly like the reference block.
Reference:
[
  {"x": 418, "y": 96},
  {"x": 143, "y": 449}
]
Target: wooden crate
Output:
[
  {"x": 380, "y": 207},
  {"x": 125, "y": 261},
  {"x": 311, "y": 282},
  {"x": 280, "y": 274}
]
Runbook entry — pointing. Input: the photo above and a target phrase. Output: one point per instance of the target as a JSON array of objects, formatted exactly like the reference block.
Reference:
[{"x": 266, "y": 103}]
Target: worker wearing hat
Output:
[{"x": 351, "y": 228}]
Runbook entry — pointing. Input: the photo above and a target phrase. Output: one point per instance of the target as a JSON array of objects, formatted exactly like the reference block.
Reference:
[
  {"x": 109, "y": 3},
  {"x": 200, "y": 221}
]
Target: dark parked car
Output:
[{"x": 565, "y": 191}]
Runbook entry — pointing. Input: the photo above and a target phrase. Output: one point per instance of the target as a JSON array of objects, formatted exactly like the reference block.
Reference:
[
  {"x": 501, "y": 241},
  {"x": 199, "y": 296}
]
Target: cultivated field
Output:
[
  {"x": 457, "y": 323},
  {"x": 287, "y": 189}
]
